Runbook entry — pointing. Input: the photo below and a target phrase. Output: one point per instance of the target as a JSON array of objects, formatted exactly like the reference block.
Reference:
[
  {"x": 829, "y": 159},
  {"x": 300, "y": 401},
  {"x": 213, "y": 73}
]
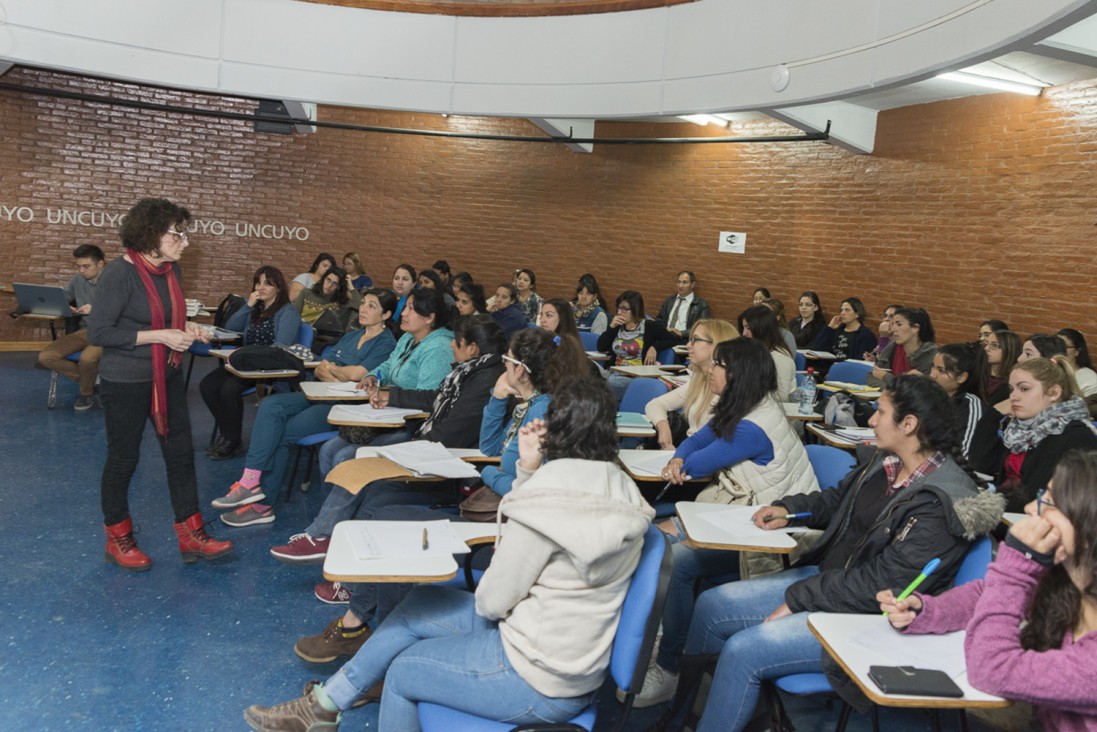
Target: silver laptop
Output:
[{"x": 42, "y": 299}]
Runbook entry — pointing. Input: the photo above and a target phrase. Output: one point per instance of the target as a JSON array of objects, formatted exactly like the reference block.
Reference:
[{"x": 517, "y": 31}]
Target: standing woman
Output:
[
  {"x": 589, "y": 313},
  {"x": 631, "y": 339},
  {"x": 266, "y": 319},
  {"x": 1049, "y": 418},
  {"x": 356, "y": 272},
  {"x": 759, "y": 322},
  {"x": 846, "y": 335},
  {"x": 139, "y": 321},
  {"x": 911, "y": 349},
  {"x": 1003, "y": 348},
  {"x": 306, "y": 280},
  {"x": 806, "y": 326},
  {"x": 961, "y": 370},
  {"x": 696, "y": 399},
  {"x": 403, "y": 283},
  {"x": 528, "y": 300}
]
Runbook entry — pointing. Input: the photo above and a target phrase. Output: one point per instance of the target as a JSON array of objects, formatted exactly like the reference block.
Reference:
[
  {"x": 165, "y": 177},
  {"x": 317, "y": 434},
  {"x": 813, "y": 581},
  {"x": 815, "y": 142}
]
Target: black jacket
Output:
[
  {"x": 698, "y": 310},
  {"x": 978, "y": 423},
  {"x": 937, "y": 516},
  {"x": 460, "y": 425},
  {"x": 655, "y": 336},
  {"x": 1040, "y": 462},
  {"x": 861, "y": 341}
]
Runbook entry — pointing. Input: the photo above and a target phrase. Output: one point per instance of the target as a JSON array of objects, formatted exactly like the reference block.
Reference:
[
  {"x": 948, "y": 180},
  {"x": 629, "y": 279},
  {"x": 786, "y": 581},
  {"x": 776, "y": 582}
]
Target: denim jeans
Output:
[
  {"x": 435, "y": 648},
  {"x": 282, "y": 420},
  {"x": 729, "y": 620},
  {"x": 618, "y": 384},
  {"x": 125, "y": 414}
]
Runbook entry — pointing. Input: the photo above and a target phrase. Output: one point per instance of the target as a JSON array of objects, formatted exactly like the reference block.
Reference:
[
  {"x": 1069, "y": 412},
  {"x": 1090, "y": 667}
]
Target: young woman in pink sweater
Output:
[{"x": 1045, "y": 577}]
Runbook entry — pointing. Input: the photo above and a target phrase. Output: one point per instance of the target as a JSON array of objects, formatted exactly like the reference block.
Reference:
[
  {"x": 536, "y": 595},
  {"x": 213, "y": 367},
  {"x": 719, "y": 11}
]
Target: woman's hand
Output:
[
  {"x": 350, "y": 282},
  {"x": 879, "y": 373},
  {"x": 663, "y": 435},
  {"x": 779, "y": 613},
  {"x": 502, "y": 388},
  {"x": 674, "y": 471},
  {"x": 1037, "y": 533},
  {"x": 649, "y": 357},
  {"x": 176, "y": 340},
  {"x": 197, "y": 332},
  {"x": 835, "y": 322},
  {"x": 372, "y": 386},
  {"x": 379, "y": 399},
  {"x": 529, "y": 444},
  {"x": 617, "y": 321},
  {"x": 759, "y": 517},
  {"x": 253, "y": 298},
  {"x": 902, "y": 613}
]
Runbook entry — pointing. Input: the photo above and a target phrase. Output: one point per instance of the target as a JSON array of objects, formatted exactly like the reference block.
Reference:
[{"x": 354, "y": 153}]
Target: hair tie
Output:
[
  {"x": 1052, "y": 359},
  {"x": 556, "y": 340}
]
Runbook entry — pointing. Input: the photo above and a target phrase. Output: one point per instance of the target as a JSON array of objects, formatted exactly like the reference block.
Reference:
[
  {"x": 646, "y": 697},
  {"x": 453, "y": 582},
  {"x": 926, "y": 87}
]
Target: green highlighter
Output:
[{"x": 926, "y": 572}]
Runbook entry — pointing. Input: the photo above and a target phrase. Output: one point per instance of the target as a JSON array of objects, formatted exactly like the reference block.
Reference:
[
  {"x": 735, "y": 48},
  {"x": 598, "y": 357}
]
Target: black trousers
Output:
[
  {"x": 221, "y": 391},
  {"x": 126, "y": 410}
]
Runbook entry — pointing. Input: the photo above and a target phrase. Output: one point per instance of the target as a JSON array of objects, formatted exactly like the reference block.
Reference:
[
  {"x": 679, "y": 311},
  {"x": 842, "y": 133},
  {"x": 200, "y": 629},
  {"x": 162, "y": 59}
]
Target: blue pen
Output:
[
  {"x": 926, "y": 572},
  {"x": 787, "y": 517}
]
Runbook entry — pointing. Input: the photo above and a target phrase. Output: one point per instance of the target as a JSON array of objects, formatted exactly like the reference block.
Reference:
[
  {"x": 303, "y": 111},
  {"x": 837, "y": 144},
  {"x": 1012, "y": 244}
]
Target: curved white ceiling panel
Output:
[{"x": 711, "y": 55}]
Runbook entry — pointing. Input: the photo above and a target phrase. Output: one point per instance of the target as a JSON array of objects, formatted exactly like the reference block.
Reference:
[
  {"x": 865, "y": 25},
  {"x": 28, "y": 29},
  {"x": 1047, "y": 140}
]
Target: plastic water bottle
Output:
[{"x": 807, "y": 393}]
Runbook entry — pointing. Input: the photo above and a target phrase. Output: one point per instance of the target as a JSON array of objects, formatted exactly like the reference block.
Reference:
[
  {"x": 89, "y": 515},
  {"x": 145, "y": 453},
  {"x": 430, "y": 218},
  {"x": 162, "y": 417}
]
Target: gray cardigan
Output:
[{"x": 922, "y": 360}]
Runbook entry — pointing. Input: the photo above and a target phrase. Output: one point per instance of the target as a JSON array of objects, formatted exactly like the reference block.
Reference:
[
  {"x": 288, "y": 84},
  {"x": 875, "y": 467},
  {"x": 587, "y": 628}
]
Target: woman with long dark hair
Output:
[
  {"x": 469, "y": 299},
  {"x": 329, "y": 294},
  {"x": 403, "y": 284},
  {"x": 533, "y": 644},
  {"x": 556, "y": 317},
  {"x": 914, "y": 500},
  {"x": 306, "y": 280},
  {"x": 1077, "y": 349},
  {"x": 140, "y": 322},
  {"x": 1003, "y": 348},
  {"x": 846, "y": 336},
  {"x": 961, "y": 370},
  {"x": 753, "y": 458},
  {"x": 267, "y": 318},
  {"x": 990, "y": 326},
  {"x": 631, "y": 339},
  {"x": 810, "y": 321},
  {"x": 760, "y": 323},
  {"x": 1032, "y": 622},
  {"x": 525, "y": 283},
  {"x": 911, "y": 348},
  {"x": 590, "y": 315}
]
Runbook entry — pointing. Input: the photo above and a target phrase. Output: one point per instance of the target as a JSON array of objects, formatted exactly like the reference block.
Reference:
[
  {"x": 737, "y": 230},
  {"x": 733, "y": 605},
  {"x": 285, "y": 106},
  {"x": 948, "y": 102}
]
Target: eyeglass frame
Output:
[
  {"x": 179, "y": 235},
  {"x": 699, "y": 339},
  {"x": 1041, "y": 501},
  {"x": 516, "y": 362}
]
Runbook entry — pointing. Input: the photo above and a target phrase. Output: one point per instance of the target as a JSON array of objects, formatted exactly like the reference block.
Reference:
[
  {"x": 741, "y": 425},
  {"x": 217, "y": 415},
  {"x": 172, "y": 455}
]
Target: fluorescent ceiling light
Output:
[
  {"x": 964, "y": 77},
  {"x": 705, "y": 119}
]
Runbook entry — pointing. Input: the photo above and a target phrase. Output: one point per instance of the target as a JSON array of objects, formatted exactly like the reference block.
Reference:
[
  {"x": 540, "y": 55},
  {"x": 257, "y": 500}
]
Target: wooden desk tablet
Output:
[
  {"x": 859, "y": 641},
  {"x": 832, "y": 439},
  {"x": 347, "y": 417},
  {"x": 649, "y": 371},
  {"x": 645, "y": 466},
  {"x": 792, "y": 411},
  {"x": 342, "y": 564},
  {"x": 701, "y": 533},
  {"x": 320, "y": 391},
  {"x": 597, "y": 356}
]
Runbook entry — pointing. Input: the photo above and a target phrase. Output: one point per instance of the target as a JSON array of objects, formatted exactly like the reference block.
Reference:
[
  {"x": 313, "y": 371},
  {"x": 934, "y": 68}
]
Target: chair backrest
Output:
[
  {"x": 975, "y": 561},
  {"x": 640, "y": 392},
  {"x": 305, "y": 334},
  {"x": 641, "y": 614},
  {"x": 801, "y": 361},
  {"x": 589, "y": 340},
  {"x": 849, "y": 372},
  {"x": 666, "y": 356},
  {"x": 830, "y": 464}
]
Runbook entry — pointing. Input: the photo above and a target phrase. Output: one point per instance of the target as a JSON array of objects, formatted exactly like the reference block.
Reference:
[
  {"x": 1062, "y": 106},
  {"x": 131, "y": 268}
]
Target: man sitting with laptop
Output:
[{"x": 80, "y": 293}]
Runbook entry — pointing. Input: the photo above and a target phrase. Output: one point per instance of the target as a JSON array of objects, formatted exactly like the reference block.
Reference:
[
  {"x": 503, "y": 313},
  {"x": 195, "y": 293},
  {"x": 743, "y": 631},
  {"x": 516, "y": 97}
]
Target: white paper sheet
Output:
[
  {"x": 736, "y": 521},
  {"x": 345, "y": 387},
  {"x": 646, "y": 462},
  {"x": 942, "y": 652},
  {"x": 364, "y": 413},
  {"x": 428, "y": 458},
  {"x": 389, "y": 539}
]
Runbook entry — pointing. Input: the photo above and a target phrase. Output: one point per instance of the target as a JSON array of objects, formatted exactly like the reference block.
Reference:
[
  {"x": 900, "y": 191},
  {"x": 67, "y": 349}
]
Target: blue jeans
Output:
[
  {"x": 435, "y": 648},
  {"x": 282, "y": 420},
  {"x": 618, "y": 383},
  {"x": 690, "y": 565},
  {"x": 729, "y": 620}
]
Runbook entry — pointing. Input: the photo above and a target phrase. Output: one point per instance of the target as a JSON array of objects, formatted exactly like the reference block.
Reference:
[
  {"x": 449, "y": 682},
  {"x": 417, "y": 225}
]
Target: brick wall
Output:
[{"x": 973, "y": 208}]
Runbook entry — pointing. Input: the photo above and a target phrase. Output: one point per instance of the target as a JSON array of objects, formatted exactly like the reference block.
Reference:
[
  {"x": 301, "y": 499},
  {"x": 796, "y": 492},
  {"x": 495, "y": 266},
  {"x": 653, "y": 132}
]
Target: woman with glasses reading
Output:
[{"x": 140, "y": 322}]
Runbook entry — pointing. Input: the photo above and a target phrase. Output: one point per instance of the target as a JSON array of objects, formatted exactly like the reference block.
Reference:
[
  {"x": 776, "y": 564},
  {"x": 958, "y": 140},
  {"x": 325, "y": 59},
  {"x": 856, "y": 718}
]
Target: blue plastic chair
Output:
[
  {"x": 667, "y": 356},
  {"x": 801, "y": 361},
  {"x": 830, "y": 464},
  {"x": 632, "y": 645},
  {"x": 312, "y": 444},
  {"x": 305, "y": 335},
  {"x": 51, "y": 398},
  {"x": 849, "y": 372},
  {"x": 641, "y": 391},
  {"x": 589, "y": 340}
]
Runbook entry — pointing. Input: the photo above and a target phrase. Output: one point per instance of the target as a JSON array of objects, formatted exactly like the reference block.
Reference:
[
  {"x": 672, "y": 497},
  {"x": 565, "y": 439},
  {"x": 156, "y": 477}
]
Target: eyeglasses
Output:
[
  {"x": 179, "y": 235},
  {"x": 516, "y": 362},
  {"x": 719, "y": 365},
  {"x": 1042, "y": 500},
  {"x": 624, "y": 309},
  {"x": 698, "y": 339}
]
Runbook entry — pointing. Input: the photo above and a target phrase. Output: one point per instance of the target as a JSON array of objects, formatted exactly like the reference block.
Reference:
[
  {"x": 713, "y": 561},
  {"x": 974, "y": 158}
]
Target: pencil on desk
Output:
[{"x": 426, "y": 543}]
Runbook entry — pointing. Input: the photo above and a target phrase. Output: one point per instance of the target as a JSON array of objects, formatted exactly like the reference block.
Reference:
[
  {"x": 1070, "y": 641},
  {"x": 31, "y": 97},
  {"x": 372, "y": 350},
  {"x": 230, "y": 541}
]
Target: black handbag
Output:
[{"x": 265, "y": 358}]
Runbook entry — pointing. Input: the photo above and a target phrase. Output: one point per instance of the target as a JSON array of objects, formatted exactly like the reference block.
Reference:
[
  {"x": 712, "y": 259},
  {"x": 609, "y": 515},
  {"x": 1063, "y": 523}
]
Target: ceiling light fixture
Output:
[{"x": 1017, "y": 87}]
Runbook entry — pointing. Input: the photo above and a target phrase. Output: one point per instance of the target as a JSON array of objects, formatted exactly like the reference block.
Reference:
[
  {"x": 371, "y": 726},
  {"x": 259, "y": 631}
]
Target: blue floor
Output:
[{"x": 87, "y": 646}]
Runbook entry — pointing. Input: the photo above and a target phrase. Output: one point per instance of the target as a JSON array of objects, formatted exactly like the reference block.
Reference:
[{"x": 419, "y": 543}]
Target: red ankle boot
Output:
[
  {"x": 195, "y": 543},
  {"x": 122, "y": 549}
]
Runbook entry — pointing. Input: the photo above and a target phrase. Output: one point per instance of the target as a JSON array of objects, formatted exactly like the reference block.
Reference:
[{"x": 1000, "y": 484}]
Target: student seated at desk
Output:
[
  {"x": 631, "y": 339},
  {"x": 589, "y": 313},
  {"x": 533, "y": 372},
  {"x": 330, "y": 294},
  {"x": 469, "y": 299},
  {"x": 911, "y": 502},
  {"x": 556, "y": 318},
  {"x": 911, "y": 348},
  {"x": 755, "y": 458},
  {"x": 961, "y": 370},
  {"x": 691, "y": 405},
  {"x": 504, "y": 308},
  {"x": 1032, "y": 623},
  {"x": 266, "y": 318},
  {"x": 760, "y": 323},
  {"x": 533, "y": 644},
  {"x": 456, "y": 410},
  {"x": 306, "y": 280},
  {"x": 1003, "y": 348},
  {"x": 846, "y": 335}
]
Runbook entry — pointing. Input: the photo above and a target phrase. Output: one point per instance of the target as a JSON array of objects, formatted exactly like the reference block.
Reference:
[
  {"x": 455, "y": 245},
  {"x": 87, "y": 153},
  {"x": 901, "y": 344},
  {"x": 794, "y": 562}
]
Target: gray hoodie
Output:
[{"x": 559, "y": 576}]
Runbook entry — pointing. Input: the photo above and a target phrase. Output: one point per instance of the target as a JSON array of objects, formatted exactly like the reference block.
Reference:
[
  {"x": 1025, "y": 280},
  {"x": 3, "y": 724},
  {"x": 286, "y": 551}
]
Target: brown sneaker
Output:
[
  {"x": 370, "y": 695},
  {"x": 332, "y": 643},
  {"x": 304, "y": 714}
]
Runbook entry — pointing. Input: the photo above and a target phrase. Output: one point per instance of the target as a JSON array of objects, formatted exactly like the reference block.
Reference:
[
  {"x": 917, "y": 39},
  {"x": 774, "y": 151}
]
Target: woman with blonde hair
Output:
[
  {"x": 1049, "y": 418},
  {"x": 357, "y": 278},
  {"x": 696, "y": 399}
]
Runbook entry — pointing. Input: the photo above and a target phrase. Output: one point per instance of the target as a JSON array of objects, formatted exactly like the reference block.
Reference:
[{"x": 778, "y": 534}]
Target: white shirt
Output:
[{"x": 679, "y": 323}]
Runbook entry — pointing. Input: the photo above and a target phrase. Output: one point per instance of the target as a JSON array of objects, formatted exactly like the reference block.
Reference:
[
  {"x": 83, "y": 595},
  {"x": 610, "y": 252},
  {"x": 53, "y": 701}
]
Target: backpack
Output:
[{"x": 225, "y": 310}]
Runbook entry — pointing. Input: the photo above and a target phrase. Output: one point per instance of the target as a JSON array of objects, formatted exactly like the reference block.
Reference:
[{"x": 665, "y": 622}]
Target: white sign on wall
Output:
[{"x": 732, "y": 242}]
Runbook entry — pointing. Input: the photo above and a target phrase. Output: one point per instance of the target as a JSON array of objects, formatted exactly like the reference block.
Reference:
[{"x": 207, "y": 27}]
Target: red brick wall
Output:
[{"x": 973, "y": 208}]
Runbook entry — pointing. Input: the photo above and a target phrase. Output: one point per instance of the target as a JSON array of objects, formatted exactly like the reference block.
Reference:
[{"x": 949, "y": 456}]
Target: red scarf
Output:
[{"x": 160, "y": 355}]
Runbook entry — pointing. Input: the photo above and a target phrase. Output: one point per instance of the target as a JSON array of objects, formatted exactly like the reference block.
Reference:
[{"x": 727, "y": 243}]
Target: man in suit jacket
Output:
[{"x": 682, "y": 309}]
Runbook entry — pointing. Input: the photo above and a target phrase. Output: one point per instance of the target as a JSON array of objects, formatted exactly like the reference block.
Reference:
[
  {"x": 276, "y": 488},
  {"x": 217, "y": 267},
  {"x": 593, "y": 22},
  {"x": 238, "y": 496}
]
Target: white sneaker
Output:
[{"x": 659, "y": 687}]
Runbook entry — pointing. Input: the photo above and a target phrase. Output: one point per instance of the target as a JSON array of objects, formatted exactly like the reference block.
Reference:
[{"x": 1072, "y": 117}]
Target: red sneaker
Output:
[
  {"x": 302, "y": 549},
  {"x": 333, "y": 593}
]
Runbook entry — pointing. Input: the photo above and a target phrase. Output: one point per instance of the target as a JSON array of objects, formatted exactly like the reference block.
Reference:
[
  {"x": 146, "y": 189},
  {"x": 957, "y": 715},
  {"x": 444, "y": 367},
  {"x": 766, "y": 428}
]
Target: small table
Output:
[
  {"x": 341, "y": 564},
  {"x": 648, "y": 371},
  {"x": 857, "y": 390},
  {"x": 344, "y": 418},
  {"x": 320, "y": 391},
  {"x": 859, "y": 641},
  {"x": 832, "y": 439},
  {"x": 51, "y": 321},
  {"x": 645, "y": 466},
  {"x": 597, "y": 356},
  {"x": 701, "y": 533},
  {"x": 792, "y": 411}
]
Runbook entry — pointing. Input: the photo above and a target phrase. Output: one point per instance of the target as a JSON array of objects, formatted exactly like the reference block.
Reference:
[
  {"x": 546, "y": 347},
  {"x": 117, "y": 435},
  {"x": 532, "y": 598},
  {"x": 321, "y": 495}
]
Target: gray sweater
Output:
[{"x": 121, "y": 310}]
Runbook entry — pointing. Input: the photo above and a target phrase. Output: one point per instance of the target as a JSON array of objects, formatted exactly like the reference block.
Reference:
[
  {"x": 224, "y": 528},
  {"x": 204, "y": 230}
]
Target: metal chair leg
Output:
[
  {"x": 51, "y": 400},
  {"x": 307, "y": 482}
]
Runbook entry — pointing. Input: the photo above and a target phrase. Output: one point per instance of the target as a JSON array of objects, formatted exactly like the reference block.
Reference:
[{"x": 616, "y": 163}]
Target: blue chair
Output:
[
  {"x": 311, "y": 443},
  {"x": 667, "y": 356},
  {"x": 640, "y": 392},
  {"x": 305, "y": 335},
  {"x": 199, "y": 349},
  {"x": 849, "y": 372},
  {"x": 51, "y": 398},
  {"x": 632, "y": 645},
  {"x": 829, "y": 463},
  {"x": 589, "y": 340},
  {"x": 801, "y": 361}
]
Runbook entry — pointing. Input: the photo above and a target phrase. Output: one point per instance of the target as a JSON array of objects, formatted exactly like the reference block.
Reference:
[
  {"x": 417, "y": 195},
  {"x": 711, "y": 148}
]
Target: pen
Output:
[
  {"x": 426, "y": 544},
  {"x": 926, "y": 572},
  {"x": 787, "y": 517},
  {"x": 663, "y": 492}
]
